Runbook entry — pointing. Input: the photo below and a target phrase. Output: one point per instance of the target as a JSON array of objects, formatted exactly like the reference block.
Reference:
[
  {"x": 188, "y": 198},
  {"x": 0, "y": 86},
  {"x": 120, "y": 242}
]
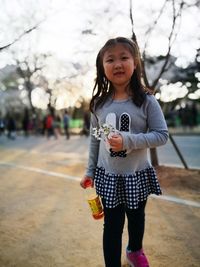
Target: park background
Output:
[
  {"x": 47, "y": 67},
  {"x": 48, "y": 51}
]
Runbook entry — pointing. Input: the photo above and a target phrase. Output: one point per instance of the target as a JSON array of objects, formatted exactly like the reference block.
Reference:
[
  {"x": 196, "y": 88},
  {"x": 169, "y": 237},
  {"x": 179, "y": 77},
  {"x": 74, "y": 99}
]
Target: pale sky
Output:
[
  {"x": 61, "y": 33},
  {"x": 66, "y": 19}
]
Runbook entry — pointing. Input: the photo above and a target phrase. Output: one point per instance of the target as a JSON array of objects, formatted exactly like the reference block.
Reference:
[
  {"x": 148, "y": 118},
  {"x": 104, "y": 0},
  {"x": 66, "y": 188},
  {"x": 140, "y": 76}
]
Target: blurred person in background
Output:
[
  {"x": 49, "y": 125},
  {"x": 86, "y": 123},
  {"x": 57, "y": 126},
  {"x": 66, "y": 120},
  {"x": 2, "y": 125},
  {"x": 25, "y": 122},
  {"x": 11, "y": 127}
]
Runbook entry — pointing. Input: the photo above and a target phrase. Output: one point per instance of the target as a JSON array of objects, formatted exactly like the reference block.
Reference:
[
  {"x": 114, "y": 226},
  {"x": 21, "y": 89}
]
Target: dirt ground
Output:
[{"x": 46, "y": 222}]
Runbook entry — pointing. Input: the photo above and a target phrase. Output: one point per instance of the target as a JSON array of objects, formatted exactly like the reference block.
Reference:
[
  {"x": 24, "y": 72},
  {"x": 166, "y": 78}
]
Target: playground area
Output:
[{"x": 46, "y": 222}]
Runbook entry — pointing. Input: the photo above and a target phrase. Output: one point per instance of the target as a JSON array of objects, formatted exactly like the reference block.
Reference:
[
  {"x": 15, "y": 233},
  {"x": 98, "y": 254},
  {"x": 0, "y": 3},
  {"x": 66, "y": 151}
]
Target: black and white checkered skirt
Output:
[{"x": 126, "y": 189}]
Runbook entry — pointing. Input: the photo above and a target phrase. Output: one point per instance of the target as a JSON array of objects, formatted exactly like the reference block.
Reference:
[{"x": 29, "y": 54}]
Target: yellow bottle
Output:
[{"x": 93, "y": 201}]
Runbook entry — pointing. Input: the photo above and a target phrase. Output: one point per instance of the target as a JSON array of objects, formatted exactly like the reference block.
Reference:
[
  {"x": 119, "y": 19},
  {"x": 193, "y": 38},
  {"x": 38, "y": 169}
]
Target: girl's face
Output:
[{"x": 119, "y": 65}]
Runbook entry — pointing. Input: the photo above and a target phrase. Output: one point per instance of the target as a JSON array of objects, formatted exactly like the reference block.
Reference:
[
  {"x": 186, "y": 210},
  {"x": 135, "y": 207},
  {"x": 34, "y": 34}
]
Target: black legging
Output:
[{"x": 114, "y": 219}]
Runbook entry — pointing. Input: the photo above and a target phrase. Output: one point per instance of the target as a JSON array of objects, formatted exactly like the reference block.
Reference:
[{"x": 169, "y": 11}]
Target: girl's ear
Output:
[{"x": 135, "y": 62}]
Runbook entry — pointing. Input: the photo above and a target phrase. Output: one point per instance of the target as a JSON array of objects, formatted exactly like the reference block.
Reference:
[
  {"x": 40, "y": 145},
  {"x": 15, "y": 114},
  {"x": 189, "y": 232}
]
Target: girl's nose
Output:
[{"x": 118, "y": 64}]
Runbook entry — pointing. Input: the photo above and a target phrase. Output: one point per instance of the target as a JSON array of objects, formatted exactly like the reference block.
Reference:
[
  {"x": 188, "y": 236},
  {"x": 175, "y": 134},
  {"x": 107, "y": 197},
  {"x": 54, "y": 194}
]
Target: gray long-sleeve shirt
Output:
[{"x": 146, "y": 129}]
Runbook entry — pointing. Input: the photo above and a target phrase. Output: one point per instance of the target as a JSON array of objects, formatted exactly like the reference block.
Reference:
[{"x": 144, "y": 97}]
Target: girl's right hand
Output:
[
  {"x": 116, "y": 142},
  {"x": 85, "y": 180}
]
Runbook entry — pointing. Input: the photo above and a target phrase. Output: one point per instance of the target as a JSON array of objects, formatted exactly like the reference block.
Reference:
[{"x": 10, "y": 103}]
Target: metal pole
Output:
[{"x": 178, "y": 151}]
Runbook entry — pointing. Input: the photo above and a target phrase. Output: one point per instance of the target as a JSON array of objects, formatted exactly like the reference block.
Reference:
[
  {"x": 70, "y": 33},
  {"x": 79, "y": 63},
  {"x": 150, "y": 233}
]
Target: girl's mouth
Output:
[{"x": 118, "y": 73}]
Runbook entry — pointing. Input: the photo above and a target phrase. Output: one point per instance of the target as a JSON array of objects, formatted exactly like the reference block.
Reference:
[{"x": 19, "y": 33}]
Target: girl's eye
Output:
[
  {"x": 125, "y": 58},
  {"x": 110, "y": 60}
]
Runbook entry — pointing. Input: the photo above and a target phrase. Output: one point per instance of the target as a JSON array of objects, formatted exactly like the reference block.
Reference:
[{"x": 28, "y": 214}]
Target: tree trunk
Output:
[{"x": 154, "y": 157}]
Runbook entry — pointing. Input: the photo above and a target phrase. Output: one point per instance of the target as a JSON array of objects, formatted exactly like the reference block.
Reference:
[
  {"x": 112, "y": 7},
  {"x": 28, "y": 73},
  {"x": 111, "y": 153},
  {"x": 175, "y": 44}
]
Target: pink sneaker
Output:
[{"x": 137, "y": 259}]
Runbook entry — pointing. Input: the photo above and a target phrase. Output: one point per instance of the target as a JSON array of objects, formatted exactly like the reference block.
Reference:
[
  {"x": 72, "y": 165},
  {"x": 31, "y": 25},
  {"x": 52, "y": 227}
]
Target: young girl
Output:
[{"x": 118, "y": 164}]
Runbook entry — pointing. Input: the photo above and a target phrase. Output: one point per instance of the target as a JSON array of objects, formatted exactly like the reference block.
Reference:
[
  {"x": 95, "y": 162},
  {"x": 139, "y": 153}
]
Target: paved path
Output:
[
  {"x": 189, "y": 147},
  {"x": 45, "y": 221},
  {"x": 77, "y": 148}
]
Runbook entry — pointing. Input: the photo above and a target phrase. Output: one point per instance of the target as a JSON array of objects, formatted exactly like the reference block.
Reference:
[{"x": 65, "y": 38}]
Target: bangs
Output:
[{"x": 127, "y": 43}]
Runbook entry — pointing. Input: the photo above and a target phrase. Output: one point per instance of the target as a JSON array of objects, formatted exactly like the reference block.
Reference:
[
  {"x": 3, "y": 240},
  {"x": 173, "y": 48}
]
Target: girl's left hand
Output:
[{"x": 116, "y": 142}]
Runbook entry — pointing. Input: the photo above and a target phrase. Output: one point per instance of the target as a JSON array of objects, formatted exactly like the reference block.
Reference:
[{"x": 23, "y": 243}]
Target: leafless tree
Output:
[
  {"x": 27, "y": 69},
  {"x": 176, "y": 15}
]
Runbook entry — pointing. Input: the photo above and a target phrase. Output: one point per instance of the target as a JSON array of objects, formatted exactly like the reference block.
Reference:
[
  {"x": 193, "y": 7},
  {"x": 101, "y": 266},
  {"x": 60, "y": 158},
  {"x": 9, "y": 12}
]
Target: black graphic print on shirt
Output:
[{"x": 124, "y": 125}]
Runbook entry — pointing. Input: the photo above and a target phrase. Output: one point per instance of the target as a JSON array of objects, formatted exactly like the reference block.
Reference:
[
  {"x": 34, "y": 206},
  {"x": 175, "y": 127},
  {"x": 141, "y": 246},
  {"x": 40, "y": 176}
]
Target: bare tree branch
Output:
[
  {"x": 196, "y": 3},
  {"x": 27, "y": 31},
  {"x": 134, "y": 38},
  {"x": 170, "y": 41},
  {"x": 150, "y": 29},
  {"x": 20, "y": 36},
  {"x": 131, "y": 17}
]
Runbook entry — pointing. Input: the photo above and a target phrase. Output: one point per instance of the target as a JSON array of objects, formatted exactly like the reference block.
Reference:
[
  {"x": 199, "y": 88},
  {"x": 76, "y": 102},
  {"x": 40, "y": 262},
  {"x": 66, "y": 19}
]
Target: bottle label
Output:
[{"x": 95, "y": 205}]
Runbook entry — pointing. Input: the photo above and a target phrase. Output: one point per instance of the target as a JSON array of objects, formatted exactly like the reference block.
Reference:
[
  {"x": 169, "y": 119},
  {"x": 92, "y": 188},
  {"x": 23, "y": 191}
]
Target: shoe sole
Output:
[{"x": 130, "y": 263}]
